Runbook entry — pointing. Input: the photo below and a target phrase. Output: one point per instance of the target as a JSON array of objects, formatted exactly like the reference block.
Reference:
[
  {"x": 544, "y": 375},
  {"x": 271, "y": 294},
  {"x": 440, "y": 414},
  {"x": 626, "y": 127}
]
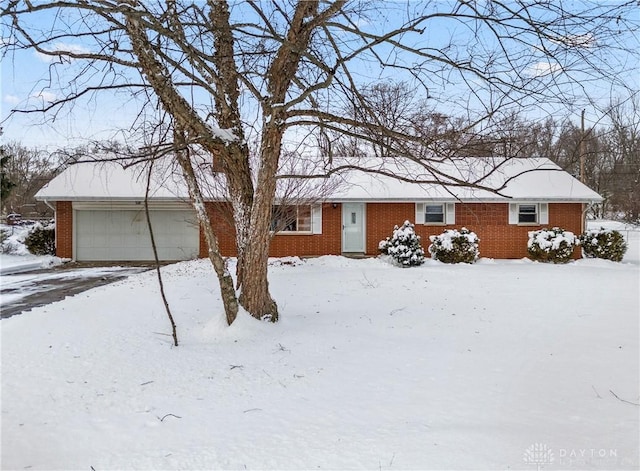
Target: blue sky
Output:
[{"x": 25, "y": 80}]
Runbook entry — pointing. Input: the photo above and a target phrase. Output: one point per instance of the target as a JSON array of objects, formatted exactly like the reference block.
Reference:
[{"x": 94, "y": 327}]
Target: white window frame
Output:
[
  {"x": 316, "y": 220},
  {"x": 448, "y": 213},
  {"x": 541, "y": 212},
  {"x": 442, "y": 213}
]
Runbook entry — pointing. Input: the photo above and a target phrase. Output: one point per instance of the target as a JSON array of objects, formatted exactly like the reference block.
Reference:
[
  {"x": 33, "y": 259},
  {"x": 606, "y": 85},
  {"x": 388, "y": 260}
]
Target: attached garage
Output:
[{"x": 119, "y": 232}]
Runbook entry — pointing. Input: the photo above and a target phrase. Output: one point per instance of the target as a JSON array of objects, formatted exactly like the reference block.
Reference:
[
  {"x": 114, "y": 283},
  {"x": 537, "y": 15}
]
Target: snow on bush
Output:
[
  {"x": 453, "y": 246},
  {"x": 603, "y": 243},
  {"x": 12, "y": 240},
  {"x": 403, "y": 246},
  {"x": 553, "y": 245},
  {"x": 41, "y": 239}
]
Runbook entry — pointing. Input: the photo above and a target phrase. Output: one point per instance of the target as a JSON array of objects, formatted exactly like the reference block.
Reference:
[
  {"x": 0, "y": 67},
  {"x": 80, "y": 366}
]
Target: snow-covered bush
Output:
[
  {"x": 603, "y": 243},
  {"x": 41, "y": 239},
  {"x": 403, "y": 246},
  {"x": 553, "y": 245},
  {"x": 13, "y": 240},
  {"x": 453, "y": 246}
]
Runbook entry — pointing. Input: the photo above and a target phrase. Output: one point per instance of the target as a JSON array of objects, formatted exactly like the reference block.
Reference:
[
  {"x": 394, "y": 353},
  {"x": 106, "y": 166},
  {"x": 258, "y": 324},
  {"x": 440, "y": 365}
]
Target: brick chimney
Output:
[{"x": 216, "y": 164}]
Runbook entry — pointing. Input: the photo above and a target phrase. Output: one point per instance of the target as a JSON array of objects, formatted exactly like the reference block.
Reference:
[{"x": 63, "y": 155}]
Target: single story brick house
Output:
[{"x": 100, "y": 212}]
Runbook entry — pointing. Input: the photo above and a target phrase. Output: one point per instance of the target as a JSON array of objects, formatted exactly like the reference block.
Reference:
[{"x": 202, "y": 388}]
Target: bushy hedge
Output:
[
  {"x": 603, "y": 243},
  {"x": 403, "y": 246},
  {"x": 553, "y": 245},
  {"x": 4, "y": 235},
  {"x": 41, "y": 240},
  {"x": 453, "y": 246}
]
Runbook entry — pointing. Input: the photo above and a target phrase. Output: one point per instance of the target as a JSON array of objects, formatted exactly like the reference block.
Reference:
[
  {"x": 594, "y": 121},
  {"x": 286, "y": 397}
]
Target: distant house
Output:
[{"x": 100, "y": 212}]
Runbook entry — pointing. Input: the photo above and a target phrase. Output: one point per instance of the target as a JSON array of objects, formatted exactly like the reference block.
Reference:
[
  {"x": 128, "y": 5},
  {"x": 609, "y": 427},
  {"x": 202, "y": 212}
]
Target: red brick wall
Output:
[
  {"x": 498, "y": 239},
  {"x": 490, "y": 221},
  {"x": 64, "y": 229},
  {"x": 327, "y": 243}
]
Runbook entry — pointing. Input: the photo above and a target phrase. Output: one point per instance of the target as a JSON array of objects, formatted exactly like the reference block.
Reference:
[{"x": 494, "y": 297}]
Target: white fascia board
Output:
[
  {"x": 464, "y": 200},
  {"x": 129, "y": 205}
]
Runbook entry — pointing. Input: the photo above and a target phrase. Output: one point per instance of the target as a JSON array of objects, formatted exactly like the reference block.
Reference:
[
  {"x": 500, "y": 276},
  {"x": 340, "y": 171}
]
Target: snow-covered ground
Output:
[{"x": 496, "y": 365}]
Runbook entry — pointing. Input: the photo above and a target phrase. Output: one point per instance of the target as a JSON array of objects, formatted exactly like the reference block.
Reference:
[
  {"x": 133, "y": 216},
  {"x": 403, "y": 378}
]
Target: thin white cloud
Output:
[
  {"x": 46, "y": 97},
  {"x": 60, "y": 49},
  {"x": 540, "y": 69},
  {"x": 11, "y": 99}
]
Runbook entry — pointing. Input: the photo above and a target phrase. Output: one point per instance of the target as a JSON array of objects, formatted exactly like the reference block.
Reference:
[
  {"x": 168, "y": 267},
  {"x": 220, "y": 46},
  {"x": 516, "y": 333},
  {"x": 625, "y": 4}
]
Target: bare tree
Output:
[
  {"x": 279, "y": 71},
  {"x": 29, "y": 170},
  {"x": 622, "y": 144}
]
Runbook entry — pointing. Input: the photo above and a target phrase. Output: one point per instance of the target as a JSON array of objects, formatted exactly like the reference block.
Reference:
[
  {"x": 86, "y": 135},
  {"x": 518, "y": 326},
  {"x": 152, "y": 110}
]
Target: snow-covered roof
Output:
[
  {"x": 86, "y": 181},
  {"x": 518, "y": 179}
]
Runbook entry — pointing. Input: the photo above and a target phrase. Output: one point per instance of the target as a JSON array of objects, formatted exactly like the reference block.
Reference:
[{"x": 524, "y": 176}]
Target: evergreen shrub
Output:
[
  {"x": 41, "y": 240},
  {"x": 403, "y": 246},
  {"x": 603, "y": 243},
  {"x": 453, "y": 246},
  {"x": 553, "y": 245}
]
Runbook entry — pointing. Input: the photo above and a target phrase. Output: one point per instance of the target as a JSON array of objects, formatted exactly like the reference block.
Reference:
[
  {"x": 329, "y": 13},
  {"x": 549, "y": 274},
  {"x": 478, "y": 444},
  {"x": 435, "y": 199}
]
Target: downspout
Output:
[
  {"x": 50, "y": 207},
  {"x": 586, "y": 207}
]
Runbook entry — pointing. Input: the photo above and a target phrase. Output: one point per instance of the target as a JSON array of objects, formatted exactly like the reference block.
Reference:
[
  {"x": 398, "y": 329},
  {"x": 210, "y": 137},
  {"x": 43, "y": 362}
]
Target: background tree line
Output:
[{"x": 25, "y": 170}]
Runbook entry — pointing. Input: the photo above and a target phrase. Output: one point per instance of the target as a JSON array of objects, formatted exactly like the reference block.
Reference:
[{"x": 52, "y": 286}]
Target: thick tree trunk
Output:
[
  {"x": 254, "y": 294},
  {"x": 235, "y": 156},
  {"x": 253, "y": 266}
]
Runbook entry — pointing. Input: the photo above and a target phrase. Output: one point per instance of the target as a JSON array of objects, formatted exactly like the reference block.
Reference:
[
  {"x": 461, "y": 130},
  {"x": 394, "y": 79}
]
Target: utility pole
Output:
[
  {"x": 582, "y": 150},
  {"x": 585, "y": 207}
]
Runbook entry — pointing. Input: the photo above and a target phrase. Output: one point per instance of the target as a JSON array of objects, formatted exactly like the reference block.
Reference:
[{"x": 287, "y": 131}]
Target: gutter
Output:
[{"x": 49, "y": 206}]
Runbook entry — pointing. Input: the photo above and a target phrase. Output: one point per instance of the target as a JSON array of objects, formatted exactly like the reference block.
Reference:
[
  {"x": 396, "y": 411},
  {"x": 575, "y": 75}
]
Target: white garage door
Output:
[{"x": 121, "y": 235}]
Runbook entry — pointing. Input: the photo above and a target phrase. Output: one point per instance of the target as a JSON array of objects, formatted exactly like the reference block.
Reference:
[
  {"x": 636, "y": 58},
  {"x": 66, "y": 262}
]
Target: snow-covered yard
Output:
[{"x": 497, "y": 365}]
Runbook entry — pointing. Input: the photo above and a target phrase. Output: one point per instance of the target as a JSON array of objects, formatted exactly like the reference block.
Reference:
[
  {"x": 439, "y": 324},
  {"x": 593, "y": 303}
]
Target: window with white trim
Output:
[
  {"x": 291, "y": 218},
  {"x": 435, "y": 213},
  {"x": 527, "y": 213}
]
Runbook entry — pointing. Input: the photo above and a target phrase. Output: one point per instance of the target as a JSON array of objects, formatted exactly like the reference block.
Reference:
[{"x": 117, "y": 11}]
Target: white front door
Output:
[{"x": 353, "y": 224}]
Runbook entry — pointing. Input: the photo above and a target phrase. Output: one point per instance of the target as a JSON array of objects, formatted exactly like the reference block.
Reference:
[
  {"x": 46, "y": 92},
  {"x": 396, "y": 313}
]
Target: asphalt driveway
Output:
[{"x": 21, "y": 292}]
